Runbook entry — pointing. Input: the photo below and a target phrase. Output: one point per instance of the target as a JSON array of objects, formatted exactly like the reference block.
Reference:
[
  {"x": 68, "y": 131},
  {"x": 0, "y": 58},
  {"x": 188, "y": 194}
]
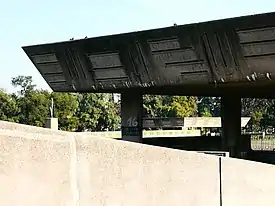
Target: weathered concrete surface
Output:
[
  {"x": 105, "y": 172},
  {"x": 247, "y": 183},
  {"x": 115, "y": 172},
  {"x": 35, "y": 170},
  {"x": 4, "y": 125},
  {"x": 45, "y": 167}
]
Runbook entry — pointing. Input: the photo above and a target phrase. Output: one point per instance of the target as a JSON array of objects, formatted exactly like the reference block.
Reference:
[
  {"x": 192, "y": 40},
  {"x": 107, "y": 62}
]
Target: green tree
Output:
[
  {"x": 209, "y": 106},
  {"x": 169, "y": 106},
  {"x": 260, "y": 111},
  {"x": 205, "y": 112},
  {"x": 32, "y": 104},
  {"x": 97, "y": 112},
  {"x": 183, "y": 106},
  {"x": 8, "y": 107},
  {"x": 153, "y": 105},
  {"x": 94, "y": 112},
  {"x": 34, "y": 108},
  {"x": 25, "y": 83},
  {"x": 268, "y": 117},
  {"x": 65, "y": 108}
]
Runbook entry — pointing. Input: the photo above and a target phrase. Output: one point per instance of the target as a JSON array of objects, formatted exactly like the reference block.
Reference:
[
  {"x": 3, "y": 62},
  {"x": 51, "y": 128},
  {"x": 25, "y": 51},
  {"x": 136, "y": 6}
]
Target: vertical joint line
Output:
[
  {"x": 73, "y": 172},
  {"x": 210, "y": 49},
  {"x": 142, "y": 58},
  {"x": 220, "y": 179},
  {"x": 81, "y": 65},
  {"x": 134, "y": 67},
  {"x": 205, "y": 48},
  {"x": 231, "y": 50},
  {"x": 220, "y": 48}
]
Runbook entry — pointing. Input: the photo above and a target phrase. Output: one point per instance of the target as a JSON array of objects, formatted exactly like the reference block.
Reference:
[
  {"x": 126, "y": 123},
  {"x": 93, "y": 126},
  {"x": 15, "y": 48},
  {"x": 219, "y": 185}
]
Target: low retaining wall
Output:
[
  {"x": 149, "y": 134},
  {"x": 73, "y": 169},
  {"x": 246, "y": 183}
]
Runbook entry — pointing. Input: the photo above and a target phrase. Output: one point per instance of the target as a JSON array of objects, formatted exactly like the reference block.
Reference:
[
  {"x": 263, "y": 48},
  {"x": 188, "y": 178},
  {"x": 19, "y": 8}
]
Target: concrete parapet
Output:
[
  {"x": 4, "y": 125},
  {"x": 116, "y": 173},
  {"x": 247, "y": 183},
  {"x": 34, "y": 170},
  {"x": 44, "y": 167}
]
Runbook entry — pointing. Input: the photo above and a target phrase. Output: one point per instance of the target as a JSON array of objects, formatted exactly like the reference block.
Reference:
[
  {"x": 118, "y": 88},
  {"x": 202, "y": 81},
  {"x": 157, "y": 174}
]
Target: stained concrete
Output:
[
  {"x": 4, "y": 125},
  {"x": 115, "y": 172},
  {"x": 34, "y": 170},
  {"x": 48, "y": 167},
  {"x": 247, "y": 183}
]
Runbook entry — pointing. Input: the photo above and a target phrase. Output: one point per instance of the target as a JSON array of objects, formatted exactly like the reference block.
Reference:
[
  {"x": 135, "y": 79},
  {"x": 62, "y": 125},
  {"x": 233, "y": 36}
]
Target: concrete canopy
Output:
[{"x": 196, "y": 59}]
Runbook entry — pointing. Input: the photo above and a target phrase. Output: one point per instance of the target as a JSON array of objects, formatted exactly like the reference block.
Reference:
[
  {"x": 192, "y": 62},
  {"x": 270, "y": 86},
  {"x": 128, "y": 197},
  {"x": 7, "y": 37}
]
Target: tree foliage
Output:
[
  {"x": 209, "y": 106},
  {"x": 24, "y": 82},
  {"x": 8, "y": 107},
  {"x": 75, "y": 112},
  {"x": 33, "y": 108},
  {"x": 169, "y": 106},
  {"x": 97, "y": 112},
  {"x": 259, "y": 110}
]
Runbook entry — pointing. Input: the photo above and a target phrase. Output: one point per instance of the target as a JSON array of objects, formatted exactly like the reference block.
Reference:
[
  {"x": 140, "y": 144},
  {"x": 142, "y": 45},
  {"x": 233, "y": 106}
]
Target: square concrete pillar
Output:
[
  {"x": 131, "y": 116},
  {"x": 231, "y": 124},
  {"x": 52, "y": 123}
]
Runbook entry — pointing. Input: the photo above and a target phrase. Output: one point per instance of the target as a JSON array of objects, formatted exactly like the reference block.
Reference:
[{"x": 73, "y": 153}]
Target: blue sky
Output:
[{"x": 27, "y": 22}]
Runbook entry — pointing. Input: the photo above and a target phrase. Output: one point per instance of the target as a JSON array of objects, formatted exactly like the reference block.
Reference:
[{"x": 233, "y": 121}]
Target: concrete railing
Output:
[{"x": 46, "y": 168}]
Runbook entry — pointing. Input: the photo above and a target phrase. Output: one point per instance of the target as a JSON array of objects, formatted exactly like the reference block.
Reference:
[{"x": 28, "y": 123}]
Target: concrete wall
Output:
[
  {"x": 115, "y": 172},
  {"x": 35, "y": 170},
  {"x": 247, "y": 183},
  {"x": 30, "y": 129},
  {"x": 48, "y": 167}
]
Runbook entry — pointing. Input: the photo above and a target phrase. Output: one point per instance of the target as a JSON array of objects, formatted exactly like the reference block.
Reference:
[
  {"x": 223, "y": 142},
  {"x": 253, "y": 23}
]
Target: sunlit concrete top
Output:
[{"x": 208, "y": 55}]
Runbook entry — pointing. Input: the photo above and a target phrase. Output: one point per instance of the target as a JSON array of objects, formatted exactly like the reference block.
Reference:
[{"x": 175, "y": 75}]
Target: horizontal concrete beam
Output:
[{"x": 202, "y": 58}]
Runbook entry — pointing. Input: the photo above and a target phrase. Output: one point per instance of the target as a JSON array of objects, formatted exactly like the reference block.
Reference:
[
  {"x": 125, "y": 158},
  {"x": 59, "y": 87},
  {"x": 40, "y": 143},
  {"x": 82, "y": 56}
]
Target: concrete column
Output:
[
  {"x": 52, "y": 123},
  {"x": 231, "y": 124},
  {"x": 131, "y": 116}
]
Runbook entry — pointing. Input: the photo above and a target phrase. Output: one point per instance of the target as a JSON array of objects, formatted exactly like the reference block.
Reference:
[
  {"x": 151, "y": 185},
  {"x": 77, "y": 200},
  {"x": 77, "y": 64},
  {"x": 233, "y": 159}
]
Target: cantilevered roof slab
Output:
[{"x": 222, "y": 52}]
